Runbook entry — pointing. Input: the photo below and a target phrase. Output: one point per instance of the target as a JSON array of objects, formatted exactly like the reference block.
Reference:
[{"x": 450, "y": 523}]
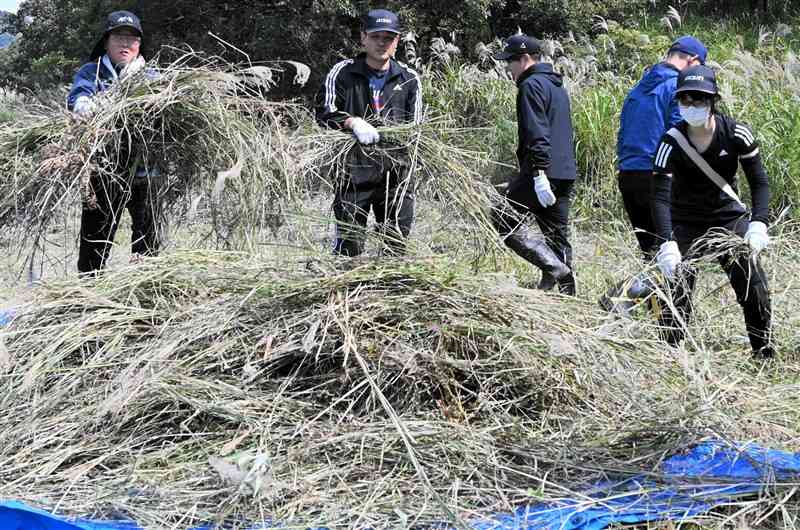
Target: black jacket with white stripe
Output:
[
  {"x": 346, "y": 93},
  {"x": 682, "y": 192}
]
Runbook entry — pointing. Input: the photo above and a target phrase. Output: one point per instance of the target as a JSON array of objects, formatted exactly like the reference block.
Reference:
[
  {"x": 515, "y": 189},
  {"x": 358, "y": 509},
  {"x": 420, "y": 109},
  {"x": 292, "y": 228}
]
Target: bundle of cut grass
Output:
[
  {"x": 435, "y": 163},
  {"x": 199, "y": 127},
  {"x": 217, "y": 387}
]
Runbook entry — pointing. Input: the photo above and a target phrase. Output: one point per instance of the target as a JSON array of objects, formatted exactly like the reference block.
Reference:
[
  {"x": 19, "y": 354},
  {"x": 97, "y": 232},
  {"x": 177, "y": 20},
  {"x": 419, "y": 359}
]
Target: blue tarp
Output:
[
  {"x": 17, "y": 516},
  {"x": 5, "y": 316},
  {"x": 689, "y": 484}
]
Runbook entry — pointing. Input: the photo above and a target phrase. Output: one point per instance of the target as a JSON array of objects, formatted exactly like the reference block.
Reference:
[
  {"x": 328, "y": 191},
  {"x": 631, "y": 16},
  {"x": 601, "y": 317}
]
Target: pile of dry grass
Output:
[{"x": 217, "y": 387}]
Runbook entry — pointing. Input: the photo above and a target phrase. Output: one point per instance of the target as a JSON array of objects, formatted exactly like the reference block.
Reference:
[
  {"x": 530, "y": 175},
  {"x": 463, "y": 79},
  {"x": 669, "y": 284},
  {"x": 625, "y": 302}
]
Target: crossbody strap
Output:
[{"x": 700, "y": 162}]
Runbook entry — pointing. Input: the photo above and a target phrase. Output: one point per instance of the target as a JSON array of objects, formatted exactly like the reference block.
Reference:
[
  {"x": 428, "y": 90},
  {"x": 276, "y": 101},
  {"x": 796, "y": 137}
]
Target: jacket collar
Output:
[
  {"x": 361, "y": 67},
  {"x": 538, "y": 68},
  {"x": 106, "y": 60},
  {"x": 669, "y": 66}
]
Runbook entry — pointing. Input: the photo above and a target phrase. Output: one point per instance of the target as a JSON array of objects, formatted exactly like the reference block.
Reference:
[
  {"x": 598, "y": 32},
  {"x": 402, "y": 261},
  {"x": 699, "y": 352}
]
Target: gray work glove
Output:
[{"x": 85, "y": 106}]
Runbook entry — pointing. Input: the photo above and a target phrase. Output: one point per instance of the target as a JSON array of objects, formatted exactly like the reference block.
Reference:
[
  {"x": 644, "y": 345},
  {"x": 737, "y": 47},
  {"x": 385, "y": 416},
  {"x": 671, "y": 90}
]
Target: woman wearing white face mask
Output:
[{"x": 695, "y": 191}]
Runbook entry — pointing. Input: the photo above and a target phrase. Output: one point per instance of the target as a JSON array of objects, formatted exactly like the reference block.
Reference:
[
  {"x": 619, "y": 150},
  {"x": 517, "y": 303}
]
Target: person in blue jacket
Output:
[
  {"x": 547, "y": 168},
  {"x": 116, "y": 56},
  {"x": 649, "y": 110}
]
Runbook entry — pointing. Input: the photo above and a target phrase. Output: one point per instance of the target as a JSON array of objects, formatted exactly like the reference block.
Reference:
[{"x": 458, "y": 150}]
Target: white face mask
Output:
[{"x": 696, "y": 117}]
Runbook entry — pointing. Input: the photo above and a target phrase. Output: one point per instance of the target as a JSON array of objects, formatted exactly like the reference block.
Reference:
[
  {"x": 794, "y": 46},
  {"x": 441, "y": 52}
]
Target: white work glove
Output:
[
  {"x": 132, "y": 67},
  {"x": 756, "y": 236},
  {"x": 668, "y": 258},
  {"x": 365, "y": 133},
  {"x": 84, "y": 106},
  {"x": 543, "y": 191}
]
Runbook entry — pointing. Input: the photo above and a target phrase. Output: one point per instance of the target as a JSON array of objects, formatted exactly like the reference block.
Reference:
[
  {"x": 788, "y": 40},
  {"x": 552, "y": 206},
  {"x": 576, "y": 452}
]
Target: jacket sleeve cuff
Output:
[{"x": 532, "y": 168}]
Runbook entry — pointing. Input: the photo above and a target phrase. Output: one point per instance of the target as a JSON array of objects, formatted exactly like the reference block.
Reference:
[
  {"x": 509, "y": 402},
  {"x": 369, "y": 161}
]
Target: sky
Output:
[{"x": 9, "y": 5}]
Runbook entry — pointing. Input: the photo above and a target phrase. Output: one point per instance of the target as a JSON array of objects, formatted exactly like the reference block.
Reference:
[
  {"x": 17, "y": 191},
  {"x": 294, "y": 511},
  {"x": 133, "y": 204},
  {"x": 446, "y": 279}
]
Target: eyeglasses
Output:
[
  {"x": 124, "y": 39},
  {"x": 694, "y": 100},
  {"x": 382, "y": 40}
]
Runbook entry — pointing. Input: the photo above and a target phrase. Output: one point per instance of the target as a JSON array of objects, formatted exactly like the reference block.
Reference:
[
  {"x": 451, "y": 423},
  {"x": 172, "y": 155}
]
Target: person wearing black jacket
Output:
[
  {"x": 544, "y": 185},
  {"x": 359, "y": 95},
  {"x": 695, "y": 195}
]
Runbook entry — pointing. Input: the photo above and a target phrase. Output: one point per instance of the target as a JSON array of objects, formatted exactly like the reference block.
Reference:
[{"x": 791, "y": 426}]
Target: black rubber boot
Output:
[
  {"x": 624, "y": 296},
  {"x": 764, "y": 354},
  {"x": 547, "y": 283},
  {"x": 537, "y": 253},
  {"x": 613, "y": 300},
  {"x": 567, "y": 286}
]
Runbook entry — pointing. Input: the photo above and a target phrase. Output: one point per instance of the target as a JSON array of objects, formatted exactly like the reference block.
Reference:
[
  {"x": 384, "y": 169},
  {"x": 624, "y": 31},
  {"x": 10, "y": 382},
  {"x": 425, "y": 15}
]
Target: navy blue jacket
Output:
[
  {"x": 544, "y": 124},
  {"x": 93, "y": 78},
  {"x": 650, "y": 109}
]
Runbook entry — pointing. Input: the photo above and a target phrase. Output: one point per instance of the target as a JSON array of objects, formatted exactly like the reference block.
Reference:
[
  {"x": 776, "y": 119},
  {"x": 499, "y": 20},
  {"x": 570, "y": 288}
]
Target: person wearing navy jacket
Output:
[
  {"x": 358, "y": 96},
  {"x": 116, "y": 56},
  {"x": 547, "y": 168},
  {"x": 648, "y": 111},
  {"x": 695, "y": 196}
]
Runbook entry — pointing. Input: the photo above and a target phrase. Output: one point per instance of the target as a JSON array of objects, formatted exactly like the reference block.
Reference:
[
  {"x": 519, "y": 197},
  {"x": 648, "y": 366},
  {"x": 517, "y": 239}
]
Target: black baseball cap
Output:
[
  {"x": 115, "y": 20},
  {"x": 381, "y": 20},
  {"x": 518, "y": 45},
  {"x": 698, "y": 78},
  {"x": 123, "y": 19}
]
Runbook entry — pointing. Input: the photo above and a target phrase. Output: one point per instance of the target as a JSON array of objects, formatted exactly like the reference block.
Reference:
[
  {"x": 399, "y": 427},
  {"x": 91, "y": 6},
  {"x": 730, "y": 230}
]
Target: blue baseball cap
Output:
[
  {"x": 691, "y": 46},
  {"x": 518, "y": 45},
  {"x": 381, "y": 20}
]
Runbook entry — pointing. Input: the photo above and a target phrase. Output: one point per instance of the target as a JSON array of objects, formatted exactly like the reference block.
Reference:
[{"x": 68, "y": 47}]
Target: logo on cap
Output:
[
  {"x": 695, "y": 78},
  {"x": 384, "y": 21},
  {"x": 523, "y": 46},
  {"x": 129, "y": 20}
]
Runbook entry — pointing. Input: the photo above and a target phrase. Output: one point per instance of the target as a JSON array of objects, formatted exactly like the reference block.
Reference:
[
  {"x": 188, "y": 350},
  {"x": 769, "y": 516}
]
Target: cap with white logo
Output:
[
  {"x": 698, "y": 78},
  {"x": 381, "y": 20},
  {"x": 518, "y": 45},
  {"x": 117, "y": 19},
  {"x": 123, "y": 19}
]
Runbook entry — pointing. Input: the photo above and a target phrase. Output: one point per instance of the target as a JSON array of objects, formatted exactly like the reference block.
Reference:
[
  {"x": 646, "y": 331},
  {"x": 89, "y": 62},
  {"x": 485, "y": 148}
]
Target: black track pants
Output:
[
  {"x": 99, "y": 225},
  {"x": 635, "y": 188},
  {"x": 553, "y": 221},
  {"x": 393, "y": 206},
  {"x": 746, "y": 276}
]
